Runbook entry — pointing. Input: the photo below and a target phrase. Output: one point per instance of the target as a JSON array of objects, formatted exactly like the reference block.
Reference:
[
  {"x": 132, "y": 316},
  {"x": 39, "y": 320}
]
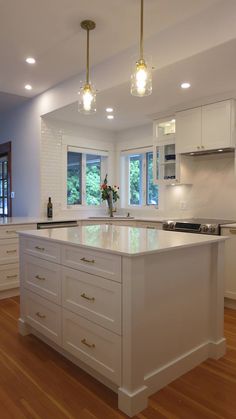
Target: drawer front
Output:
[
  {"x": 9, "y": 276},
  {"x": 97, "y": 263},
  {"x": 92, "y": 344},
  {"x": 43, "y": 249},
  {"x": 42, "y": 277},
  {"x": 10, "y": 231},
  {"x": 95, "y": 298},
  {"x": 43, "y": 316},
  {"x": 9, "y": 251}
]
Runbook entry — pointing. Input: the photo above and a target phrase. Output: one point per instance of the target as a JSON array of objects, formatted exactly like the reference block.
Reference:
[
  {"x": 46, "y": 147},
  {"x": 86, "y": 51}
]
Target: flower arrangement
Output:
[{"x": 108, "y": 191}]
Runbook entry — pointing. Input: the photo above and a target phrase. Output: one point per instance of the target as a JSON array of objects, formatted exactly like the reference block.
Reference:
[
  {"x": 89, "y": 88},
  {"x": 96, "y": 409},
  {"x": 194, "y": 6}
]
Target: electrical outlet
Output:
[{"x": 12, "y": 194}]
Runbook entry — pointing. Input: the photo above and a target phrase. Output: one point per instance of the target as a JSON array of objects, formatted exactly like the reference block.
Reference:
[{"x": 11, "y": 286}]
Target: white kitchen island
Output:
[{"x": 134, "y": 307}]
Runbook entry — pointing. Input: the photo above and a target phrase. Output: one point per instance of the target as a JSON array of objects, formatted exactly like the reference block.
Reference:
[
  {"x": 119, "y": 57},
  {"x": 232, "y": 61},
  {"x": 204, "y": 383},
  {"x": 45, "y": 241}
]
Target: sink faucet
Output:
[{"x": 128, "y": 215}]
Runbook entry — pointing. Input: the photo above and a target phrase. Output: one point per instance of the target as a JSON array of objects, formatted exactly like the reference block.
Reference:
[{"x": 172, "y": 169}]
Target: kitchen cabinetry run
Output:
[
  {"x": 9, "y": 259},
  {"x": 230, "y": 263},
  {"x": 169, "y": 168},
  {"x": 205, "y": 128}
]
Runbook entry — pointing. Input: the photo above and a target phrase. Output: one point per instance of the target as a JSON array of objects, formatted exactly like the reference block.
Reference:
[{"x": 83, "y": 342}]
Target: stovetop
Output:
[{"x": 203, "y": 221}]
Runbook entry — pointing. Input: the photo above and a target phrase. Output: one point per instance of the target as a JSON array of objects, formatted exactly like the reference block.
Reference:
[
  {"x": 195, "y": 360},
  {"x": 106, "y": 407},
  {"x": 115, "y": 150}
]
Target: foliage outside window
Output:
[
  {"x": 83, "y": 173},
  {"x": 142, "y": 190}
]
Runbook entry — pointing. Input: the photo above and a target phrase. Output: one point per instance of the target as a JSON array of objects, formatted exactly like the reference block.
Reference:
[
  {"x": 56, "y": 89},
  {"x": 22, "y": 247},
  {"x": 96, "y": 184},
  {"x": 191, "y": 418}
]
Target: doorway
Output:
[{"x": 5, "y": 180}]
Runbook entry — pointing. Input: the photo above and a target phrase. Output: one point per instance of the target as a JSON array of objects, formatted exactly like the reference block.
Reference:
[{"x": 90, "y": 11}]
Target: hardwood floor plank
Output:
[{"x": 38, "y": 383}]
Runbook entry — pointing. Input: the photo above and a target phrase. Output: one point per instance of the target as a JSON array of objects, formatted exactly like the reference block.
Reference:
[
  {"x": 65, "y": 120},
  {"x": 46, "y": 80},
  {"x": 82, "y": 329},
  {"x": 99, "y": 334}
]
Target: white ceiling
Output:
[
  {"x": 212, "y": 74},
  {"x": 50, "y": 31}
]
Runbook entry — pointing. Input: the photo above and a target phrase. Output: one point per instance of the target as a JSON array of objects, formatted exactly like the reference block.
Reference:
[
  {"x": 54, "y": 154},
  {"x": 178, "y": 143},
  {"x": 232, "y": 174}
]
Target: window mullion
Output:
[
  {"x": 83, "y": 180},
  {"x": 144, "y": 179}
]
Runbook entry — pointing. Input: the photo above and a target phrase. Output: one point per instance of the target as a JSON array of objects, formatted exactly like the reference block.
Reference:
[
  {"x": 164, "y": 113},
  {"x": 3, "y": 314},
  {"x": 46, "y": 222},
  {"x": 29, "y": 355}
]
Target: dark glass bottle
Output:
[{"x": 49, "y": 208}]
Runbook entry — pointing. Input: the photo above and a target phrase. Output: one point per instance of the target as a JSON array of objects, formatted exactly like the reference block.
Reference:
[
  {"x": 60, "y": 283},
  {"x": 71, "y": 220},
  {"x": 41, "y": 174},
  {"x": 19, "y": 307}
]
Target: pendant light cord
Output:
[
  {"x": 141, "y": 31},
  {"x": 87, "y": 70}
]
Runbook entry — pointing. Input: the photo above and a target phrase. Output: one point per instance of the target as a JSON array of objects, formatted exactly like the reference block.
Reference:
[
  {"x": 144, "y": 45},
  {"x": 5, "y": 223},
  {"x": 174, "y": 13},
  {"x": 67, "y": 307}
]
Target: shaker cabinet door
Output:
[{"x": 188, "y": 131}]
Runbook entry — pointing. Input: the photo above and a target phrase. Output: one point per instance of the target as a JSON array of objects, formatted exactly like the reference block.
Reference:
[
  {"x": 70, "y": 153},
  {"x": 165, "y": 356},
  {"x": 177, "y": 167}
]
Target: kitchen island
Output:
[{"x": 136, "y": 308}]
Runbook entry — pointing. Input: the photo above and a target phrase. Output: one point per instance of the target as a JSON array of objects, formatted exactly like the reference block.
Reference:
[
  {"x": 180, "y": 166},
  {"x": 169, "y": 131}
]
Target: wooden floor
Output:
[{"x": 36, "y": 382}]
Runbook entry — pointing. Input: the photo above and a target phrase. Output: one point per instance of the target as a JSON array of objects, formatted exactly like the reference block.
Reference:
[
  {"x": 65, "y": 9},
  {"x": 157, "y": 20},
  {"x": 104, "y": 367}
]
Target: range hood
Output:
[{"x": 206, "y": 152}]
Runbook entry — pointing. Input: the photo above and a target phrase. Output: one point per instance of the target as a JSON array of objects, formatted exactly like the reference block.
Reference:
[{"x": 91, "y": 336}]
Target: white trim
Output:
[
  {"x": 87, "y": 150},
  {"x": 137, "y": 150}
]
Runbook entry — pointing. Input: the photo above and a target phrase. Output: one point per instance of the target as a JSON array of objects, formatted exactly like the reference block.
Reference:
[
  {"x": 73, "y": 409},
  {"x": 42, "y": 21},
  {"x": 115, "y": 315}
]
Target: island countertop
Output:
[{"x": 127, "y": 241}]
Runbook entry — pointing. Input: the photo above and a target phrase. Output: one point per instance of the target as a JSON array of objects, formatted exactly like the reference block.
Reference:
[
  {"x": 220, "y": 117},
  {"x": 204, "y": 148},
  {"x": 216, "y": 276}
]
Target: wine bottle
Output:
[{"x": 49, "y": 208}]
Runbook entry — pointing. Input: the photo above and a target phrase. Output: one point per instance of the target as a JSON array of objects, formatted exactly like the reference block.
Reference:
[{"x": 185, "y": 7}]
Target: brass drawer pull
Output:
[
  {"x": 232, "y": 231},
  {"x": 89, "y": 345},
  {"x": 11, "y": 231},
  {"x": 12, "y": 251},
  {"x": 88, "y": 260},
  {"x": 11, "y": 276},
  {"x": 41, "y": 316},
  {"x": 86, "y": 297},
  {"x": 40, "y": 248},
  {"x": 41, "y": 278}
]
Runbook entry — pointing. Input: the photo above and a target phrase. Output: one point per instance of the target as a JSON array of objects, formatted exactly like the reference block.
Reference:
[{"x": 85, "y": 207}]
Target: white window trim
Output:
[
  {"x": 125, "y": 154},
  {"x": 104, "y": 167}
]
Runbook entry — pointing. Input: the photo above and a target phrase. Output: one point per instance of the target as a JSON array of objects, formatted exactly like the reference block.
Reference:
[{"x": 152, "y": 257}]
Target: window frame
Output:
[
  {"x": 83, "y": 151},
  {"x": 144, "y": 179}
]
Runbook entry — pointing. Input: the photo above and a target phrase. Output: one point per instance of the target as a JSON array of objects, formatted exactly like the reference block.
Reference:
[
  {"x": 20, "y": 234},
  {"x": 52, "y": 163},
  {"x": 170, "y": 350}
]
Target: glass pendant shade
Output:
[
  {"x": 141, "y": 79},
  {"x": 87, "y": 99}
]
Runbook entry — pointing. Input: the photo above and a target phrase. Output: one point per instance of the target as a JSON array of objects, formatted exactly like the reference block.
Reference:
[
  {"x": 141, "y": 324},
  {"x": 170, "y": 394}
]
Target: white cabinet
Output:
[
  {"x": 206, "y": 128},
  {"x": 169, "y": 168},
  {"x": 188, "y": 130},
  {"x": 218, "y": 125},
  {"x": 9, "y": 258},
  {"x": 230, "y": 262}
]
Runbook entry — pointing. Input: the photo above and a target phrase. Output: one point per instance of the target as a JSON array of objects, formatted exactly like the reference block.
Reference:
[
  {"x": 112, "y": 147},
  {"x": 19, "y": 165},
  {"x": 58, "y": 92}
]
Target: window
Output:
[
  {"x": 142, "y": 190},
  {"x": 84, "y": 173},
  {"x": 74, "y": 178},
  {"x": 93, "y": 179}
]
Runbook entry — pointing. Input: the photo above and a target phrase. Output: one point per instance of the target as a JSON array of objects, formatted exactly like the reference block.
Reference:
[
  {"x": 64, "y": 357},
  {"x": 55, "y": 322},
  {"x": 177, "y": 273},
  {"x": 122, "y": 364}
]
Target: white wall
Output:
[
  {"x": 22, "y": 128},
  {"x": 52, "y": 160}
]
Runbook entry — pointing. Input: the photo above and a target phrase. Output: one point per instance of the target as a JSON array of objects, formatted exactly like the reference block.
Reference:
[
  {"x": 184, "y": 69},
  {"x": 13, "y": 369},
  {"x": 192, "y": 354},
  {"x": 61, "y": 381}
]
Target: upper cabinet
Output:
[{"x": 206, "y": 128}]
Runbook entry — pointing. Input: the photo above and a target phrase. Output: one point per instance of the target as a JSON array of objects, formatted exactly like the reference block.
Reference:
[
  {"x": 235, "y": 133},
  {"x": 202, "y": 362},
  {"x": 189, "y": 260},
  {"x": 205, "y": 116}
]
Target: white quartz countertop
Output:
[
  {"x": 128, "y": 241},
  {"x": 31, "y": 220},
  {"x": 229, "y": 225}
]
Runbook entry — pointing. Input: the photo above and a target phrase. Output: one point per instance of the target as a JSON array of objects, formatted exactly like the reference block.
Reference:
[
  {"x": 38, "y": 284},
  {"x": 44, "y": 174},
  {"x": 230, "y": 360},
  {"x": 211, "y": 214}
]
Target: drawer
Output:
[
  {"x": 97, "y": 263},
  {"x": 10, "y": 231},
  {"x": 43, "y": 249},
  {"x": 42, "y": 277},
  {"x": 93, "y": 345},
  {"x": 9, "y": 251},
  {"x": 95, "y": 298},
  {"x": 9, "y": 276},
  {"x": 43, "y": 316}
]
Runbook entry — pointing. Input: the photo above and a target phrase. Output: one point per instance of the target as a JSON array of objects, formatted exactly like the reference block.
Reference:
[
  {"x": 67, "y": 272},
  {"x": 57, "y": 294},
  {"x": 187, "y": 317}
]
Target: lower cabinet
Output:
[
  {"x": 43, "y": 316},
  {"x": 230, "y": 262},
  {"x": 9, "y": 276},
  {"x": 97, "y": 347}
]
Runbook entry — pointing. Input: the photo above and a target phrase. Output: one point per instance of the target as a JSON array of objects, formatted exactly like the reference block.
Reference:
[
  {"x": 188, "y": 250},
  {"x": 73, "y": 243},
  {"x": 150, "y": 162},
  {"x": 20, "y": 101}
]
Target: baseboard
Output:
[
  {"x": 161, "y": 377},
  {"x": 9, "y": 293},
  {"x": 230, "y": 303}
]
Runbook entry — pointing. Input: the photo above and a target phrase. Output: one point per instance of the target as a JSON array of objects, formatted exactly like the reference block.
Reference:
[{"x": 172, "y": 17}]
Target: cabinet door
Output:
[
  {"x": 230, "y": 262},
  {"x": 216, "y": 125},
  {"x": 188, "y": 130}
]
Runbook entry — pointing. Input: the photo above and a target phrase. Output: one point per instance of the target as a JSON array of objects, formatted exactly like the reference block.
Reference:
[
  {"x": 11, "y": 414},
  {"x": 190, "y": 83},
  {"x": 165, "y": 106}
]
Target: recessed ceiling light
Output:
[
  {"x": 220, "y": 150},
  {"x": 109, "y": 109},
  {"x": 28, "y": 87},
  {"x": 191, "y": 154},
  {"x": 110, "y": 116},
  {"x": 185, "y": 85},
  {"x": 30, "y": 60}
]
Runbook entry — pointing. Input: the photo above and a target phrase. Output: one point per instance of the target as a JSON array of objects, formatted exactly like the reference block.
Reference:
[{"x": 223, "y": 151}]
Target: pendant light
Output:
[
  {"x": 87, "y": 93},
  {"x": 141, "y": 78}
]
